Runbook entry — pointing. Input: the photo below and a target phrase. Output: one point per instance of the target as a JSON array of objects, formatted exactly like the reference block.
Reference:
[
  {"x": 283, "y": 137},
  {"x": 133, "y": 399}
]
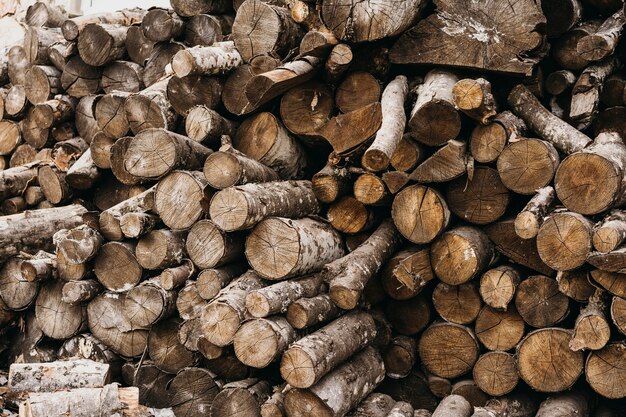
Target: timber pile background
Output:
[{"x": 301, "y": 208}]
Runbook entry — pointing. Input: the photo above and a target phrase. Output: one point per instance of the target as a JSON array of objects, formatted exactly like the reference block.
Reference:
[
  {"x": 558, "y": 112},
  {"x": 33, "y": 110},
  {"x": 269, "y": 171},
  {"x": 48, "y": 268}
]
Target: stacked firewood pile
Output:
[{"x": 306, "y": 208}]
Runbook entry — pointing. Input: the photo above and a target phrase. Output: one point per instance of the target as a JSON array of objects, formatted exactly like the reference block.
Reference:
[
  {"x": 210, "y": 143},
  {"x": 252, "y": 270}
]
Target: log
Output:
[
  {"x": 15, "y": 102},
  {"x": 241, "y": 398},
  {"x": 499, "y": 330},
  {"x": 407, "y": 155},
  {"x": 561, "y": 16},
  {"x": 400, "y": 356},
  {"x": 10, "y": 136},
  {"x": 498, "y": 286},
  {"x": 340, "y": 390},
  {"x": 116, "y": 266},
  {"x": 209, "y": 247},
  {"x": 531, "y": 218},
  {"x": 559, "y": 82},
  {"x": 448, "y": 350},
  {"x": 603, "y": 42},
  {"x": 602, "y": 367},
  {"x": 61, "y": 52},
  {"x": 474, "y": 98},
  {"x": 39, "y": 267},
  {"x": 442, "y": 38},
  {"x": 243, "y": 206},
  {"x": 609, "y": 233},
  {"x": 348, "y": 215},
  {"x": 42, "y": 83},
  {"x": 13, "y": 205},
  {"x": 371, "y": 190},
  {"x": 375, "y": 405},
  {"x": 41, "y": 14},
  {"x": 160, "y": 249},
  {"x": 447, "y": 163},
  {"x": 260, "y": 341},
  {"x": 468, "y": 389},
  {"x": 495, "y": 373},
  {"x": 116, "y": 157},
  {"x": 206, "y": 29},
  {"x": 612, "y": 93},
  {"x": 420, "y": 213},
  {"x": 207, "y": 126},
  {"x": 276, "y": 298},
  {"x": 264, "y": 138},
  {"x": 461, "y": 254},
  {"x": 409, "y": 317},
  {"x": 122, "y": 76},
  {"x": 358, "y": 90},
  {"x": 166, "y": 352},
  {"x": 186, "y": 92},
  {"x": 575, "y": 401},
  {"x": 83, "y": 173},
  {"x": 320, "y": 42},
  {"x": 310, "y": 358},
  {"x": 68, "y": 271},
  {"x": 219, "y": 58},
  {"x": 76, "y": 292},
  {"x": 564, "y": 254},
  {"x": 110, "y": 218},
  {"x": 78, "y": 245},
  {"x": 527, "y": 165},
  {"x": 150, "y": 108},
  {"x": 540, "y": 303},
  {"x": 453, "y": 406},
  {"x": 84, "y": 118},
  {"x": 193, "y": 391},
  {"x": 58, "y": 375},
  {"x": 560, "y": 134},
  {"x": 189, "y": 303},
  {"x": 457, "y": 303},
  {"x": 591, "y": 330},
  {"x": 18, "y": 65},
  {"x": 211, "y": 281},
  {"x": 174, "y": 277},
  {"x": 17, "y": 293},
  {"x": 37, "y": 41},
  {"x": 72, "y": 27},
  {"x": 100, "y": 43},
  {"x": 347, "y": 276},
  {"x": 407, "y": 273},
  {"x": 306, "y": 108},
  {"x": 160, "y": 25},
  {"x": 307, "y": 312},
  {"x": 261, "y": 28},
  {"x": 188, "y": 186},
  {"x": 576, "y": 284},
  {"x": 234, "y": 96},
  {"x": 229, "y": 167},
  {"x": 151, "y": 382},
  {"x": 550, "y": 370},
  {"x": 57, "y": 319},
  {"x": 188, "y": 8},
  {"x": 139, "y": 47},
  {"x": 80, "y": 79},
  {"x": 586, "y": 92}
]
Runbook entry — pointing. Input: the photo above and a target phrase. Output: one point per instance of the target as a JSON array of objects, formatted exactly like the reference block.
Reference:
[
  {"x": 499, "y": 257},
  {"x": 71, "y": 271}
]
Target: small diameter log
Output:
[
  {"x": 189, "y": 303},
  {"x": 100, "y": 44},
  {"x": 160, "y": 249},
  {"x": 15, "y": 102},
  {"x": 561, "y": 16},
  {"x": 340, "y": 390},
  {"x": 165, "y": 351},
  {"x": 562, "y": 135},
  {"x": 603, "y": 42},
  {"x": 348, "y": 276},
  {"x": 260, "y": 341},
  {"x": 110, "y": 218},
  {"x": 188, "y": 186},
  {"x": 211, "y": 281},
  {"x": 444, "y": 165},
  {"x": 229, "y": 167},
  {"x": 457, "y": 303},
  {"x": 612, "y": 93},
  {"x": 207, "y": 126},
  {"x": 234, "y": 96},
  {"x": 453, "y": 406},
  {"x": 320, "y": 43},
  {"x": 407, "y": 273},
  {"x": 461, "y": 254},
  {"x": 474, "y": 98},
  {"x": 610, "y": 232},
  {"x": 244, "y": 206},
  {"x": 110, "y": 114},
  {"x": 206, "y": 29},
  {"x": 592, "y": 330},
  {"x": 68, "y": 271},
  {"x": 10, "y": 136},
  {"x": 224, "y": 315},
  {"x": 37, "y": 41},
  {"x": 378, "y": 156},
  {"x": 116, "y": 266},
  {"x": 357, "y": 91},
  {"x": 420, "y": 213},
  {"x": 42, "y": 83},
  {"x": 540, "y": 303},
  {"x": 76, "y": 292},
  {"x": 604, "y": 368},
  {"x": 499, "y": 330},
  {"x": 276, "y": 298},
  {"x": 560, "y": 253},
  {"x": 375, "y": 405},
  {"x": 527, "y": 165},
  {"x": 193, "y": 392},
  {"x": 208, "y": 246},
  {"x": 370, "y": 189},
  {"x": 160, "y": 25},
  {"x": 61, "y": 52},
  {"x": 264, "y": 138},
  {"x": 498, "y": 286},
  {"x": 16, "y": 293},
  {"x": 83, "y": 173},
  {"x": 79, "y": 244},
  {"x": 306, "y": 108},
  {"x": 18, "y": 65},
  {"x": 175, "y": 277},
  {"x": 79, "y": 79},
  {"x": 400, "y": 356},
  {"x": 531, "y": 218},
  {"x": 261, "y": 28},
  {"x": 122, "y": 76},
  {"x": 40, "y": 267},
  {"x": 307, "y": 312},
  {"x": 331, "y": 183},
  {"x": 409, "y": 317},
  {"x": 117, "y": 152},
  {"x": 57, "y": 319},
  {"x": 14, "y": 180},
  {"x": 241, "y": 398},
  {"x": 559, "y": 81},
  {"x": 448, "y": 350},
  {"x": 434, "y": 119},
  {"x": 58, "y": 375},
  {"x": 150, "y": 108},
  {"x": 495, "y": 373},
  {"x": 586, "y": 92},
  {"x": 153, "y": 153},
  {"x": 548, "y": 370}
]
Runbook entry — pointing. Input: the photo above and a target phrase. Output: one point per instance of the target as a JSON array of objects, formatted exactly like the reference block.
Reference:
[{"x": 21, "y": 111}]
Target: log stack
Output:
[{"x": 300, "y": 208}]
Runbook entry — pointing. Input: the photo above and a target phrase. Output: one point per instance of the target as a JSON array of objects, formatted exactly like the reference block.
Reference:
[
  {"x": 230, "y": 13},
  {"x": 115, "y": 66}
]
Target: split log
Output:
[
  {"x": 188, "y": 186},
  {"x": 241, "y": 398},
  {"x": 219, "y": 58},
  {"x": 186, "y": 92},
  {"x": 564, "y": 254},
  {"x": 604, "y": 41},
  {"x": 498, "y": 286},
  {"x": 348, "y": 276},
  {"x": 210, "y": 247},
  {"x": 576, "y": 284},
  {"x": 408, "y": 154},
  {"x": 552, "y": 370},
  {"x": 420, "y": 213},
  {"x": 78, "y": 245},
  {"x": 453, "y": 406},
  {"x": 563, "y": 136},
  {"x": 307, "y": 312},
  {"x": 474, "y": 98},
  {"x": 116, "y": 266},
  {"x": 531, "y": 218},
  {"x": 260, "y": 341},
  {"x": 591, "y": 330},
  {"x": 527, "y": 165},
  {"x": 499, "y": 330},
  {"x": 407, "y": 273},
  {"x": 122, "y": 76},
  {"x": 244, "y": 206},
  {"x": 160, "y": 25},
  {"x": 457, "y": 303},
  {"x": 264, "y": 138},
  {"x": 586, "y": 92},
  {"x": 150, "y": 108},
  {"x": 208, "y": 126},
  {"x": 448, "y": 350},
  {"x": 110, "y": 218},
  {"x": 42, "y": 83},
  {"x": 340, "y": 131},
  {"x": 340, "y": 390},
  {"x": 447, "y": 163},
  {"x": 358, "y": 90},
  {"x": 72, "y": 27},
  {"x": 58, "y": 375},
  {"x": 234, "y": 96},
  {"x": 261, "y": 28},
  {"x": 79, "y": 79},
  {"x": 461, "y": 254},
  {"x": 76, "y": 292},
  {"x": 276, "y": 298},
  {"x": 229, "y": 167},
  {"x": 160, "y": 249},
  {"x": 100, "y": 43},
  {"x": 211, "y": 281}
]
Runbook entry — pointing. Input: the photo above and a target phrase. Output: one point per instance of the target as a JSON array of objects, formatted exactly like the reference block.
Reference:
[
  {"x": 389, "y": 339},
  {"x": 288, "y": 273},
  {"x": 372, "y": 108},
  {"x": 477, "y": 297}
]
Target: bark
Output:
[
  {"x": 603, "y": 42},
  {"x": 187, "y": 8},
  {"x": 358, "y": 90},
  {"x": 407, "y": 273},
  {"x": 160, "y": 249},
  {"x": 68, "y": 271},
  {"x": 83, "y": 173},
  {"x": 122, "y": 76},
  {"x": 116, "y": 266},
  {"x": 453, "y": 406},
  {"x": 446, "y": 164},
  {"x": 457, "y": 303},
  {"x": 564, "y": 254},
  {"x": 498, "y": 286},
  {"x": 531, "y": 218},
  {"x": 42, "y": 14},
  {"x": 576, "y": 284},
  {"x": 160, "y": 25},
  {"x": 39, "y": 267},
  {"x": 58, "y": 375},
  {"x": 211, "y": 281},
  {"x": 14, "y": 181},
  {"x": 241, "y": 398},
  {"x": 456, "y": 343},
  {"x": 186, "y": 92},
  {"x": 72, "y": 27},
  {"x": 550, "y": 370},
  {"x": 150, "y": 108},
  {"x": 468, "y": 389},
  {"x": 18, "y": 65},
  {"x": 85, "y": 347},
  {"x": 209, "y": 247},
  {"x": 42, "y": 83},
  {"x": 348, "y": 276},
  {"x": 586, "y": 92},
  {"x": 307, "y": 312},
  {"x": 244, "y": 206},
  {"x": 264, "y": 138},
  {"x": 79, "y": 79},
  {"x": 375, "y": 405},
  {"x": 591, "y": 330},
  {"x": 174, "y": 277},
  {"x": 561, "y": 16},
  {"x": 260, "y": 341},
  {"x": 340, "y": 390},
  {"x": 219, "y": 58},
  {"x": 575, "y": 402},
  {"x": 111, "y": 217},
  {"x": 276, "y": 298},
  {"x": 527, "y": 165},
  {"x": 61, "y": 52},
  {"x": 474, "y": 98},
  {"x": 208, "y": 126},
  {"x": 189, "y": 303},
  {"x": 420, "y": 213},
  {"x": 188, "y": 186},
  {"x": 76, "y": 292},
  {"x": 563, "y": 136}
]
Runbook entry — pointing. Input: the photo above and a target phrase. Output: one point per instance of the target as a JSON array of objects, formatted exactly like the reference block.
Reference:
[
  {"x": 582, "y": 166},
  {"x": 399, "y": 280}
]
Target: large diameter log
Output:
[
  {"x": 242, "y": 207},
  {"x": 562, "y": 135},
  {"x": 458, "y": 304},
  {"x": 193, "y": 392},
  {"x": 188, "y": 186},
  {"x": 280, "y": 248},
  {"x": 33, "y": 230},
  {"x": 209, "y": 247},
  {"x": 540, "y": 303},
  {"x": 261, "y": 28},
  {"x": 122, "y": 76},
  {"x": 166, "y": 352},
  {"x": 159, "y": 60},
  {"x": 110, "y": 114},
  {"x": 126, "y": 17},
  {"x": 603, "y": 368},
  {"x": 100, "y": 43},
  {"x": 229, "y": 167},
  {"x": 57, "y": 319},
  {"x": 276, "y": 298},
  {"x": 527, "y": 165},
  {"x": 420, "y": 213},
  {"x": 604, "y": 41},
  {"x": 548, "y": 370},
  {"x": 58, "y": 375},
  {"x": 150, "y": 108},
  {"x": 79, "y": 79},
  {"x": 160, "y": 25},
  {"x": 16, "y": 292},
  {"x": 194, "y": 90},
  {"x": 358, "y": 90},
  {"x": 153, "y": 153},
  {"x": 206, "y": 29},
  {"x": 576, "y": 284},
  {"x": 564, "y": 254},
  {"x": 260, "y": 341},
  {"x": 348, "y": 276},
  {"x": 42, "y": 14},
  {"x": 42, "y": 83},
  {"x": 116, "y": 266},
  {"x": 310, "y": 358},
  {"x": 448, "y": 350},
  {"x": 241, "y": 398},
  {"x": 340, "y": 390},
  {"x": 499, "y": 330},
  {"x": 306, "y": 108},
  {"x": 409, "y": 317},
  {"x": 160, "y": 249},
  {"x": 219, "y": 58}
]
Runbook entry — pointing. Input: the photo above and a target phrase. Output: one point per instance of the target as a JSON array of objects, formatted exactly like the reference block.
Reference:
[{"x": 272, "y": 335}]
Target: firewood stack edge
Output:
[{"x": 315, "y": 208}]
